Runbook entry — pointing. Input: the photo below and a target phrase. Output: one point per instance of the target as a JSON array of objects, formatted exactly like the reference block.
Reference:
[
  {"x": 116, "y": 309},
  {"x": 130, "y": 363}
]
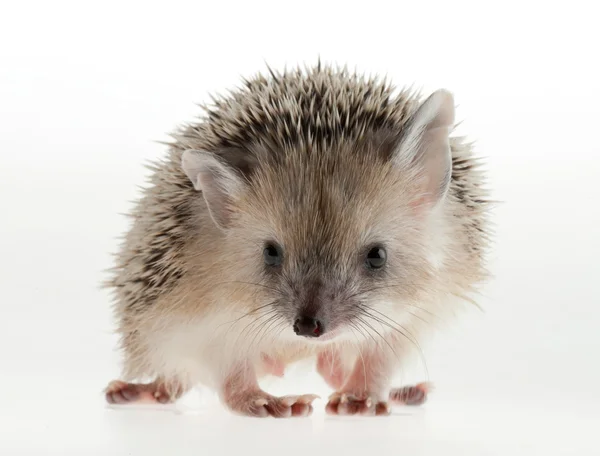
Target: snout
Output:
[{"x": 308, "y": 326}]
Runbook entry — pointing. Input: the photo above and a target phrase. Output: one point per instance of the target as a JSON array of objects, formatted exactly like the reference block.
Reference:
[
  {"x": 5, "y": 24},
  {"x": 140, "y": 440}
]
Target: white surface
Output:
[{"x": 84, "y": 90}]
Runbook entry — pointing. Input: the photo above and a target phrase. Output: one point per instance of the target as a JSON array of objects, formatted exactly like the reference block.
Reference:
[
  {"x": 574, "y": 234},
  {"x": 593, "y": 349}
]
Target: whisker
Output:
[
  {"x": 256, "y": 321},
  {"x": 359, "y": 349},
  {"x": 247, "y": 314},
  {"x": 249, "y": 346},
  {"x": 411, "y": 339},
  {"x": 385, "y": 316},
  {"x": 381, "y": 337},
  {"x": 369, "y": 290},
  {"x": 265, "y": 329},
  {"x": 391, "y": 324}
]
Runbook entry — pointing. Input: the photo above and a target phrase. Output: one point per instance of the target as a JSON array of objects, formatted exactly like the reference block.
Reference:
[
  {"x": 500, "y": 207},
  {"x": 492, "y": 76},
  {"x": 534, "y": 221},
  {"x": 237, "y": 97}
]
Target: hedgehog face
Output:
[
  {"x": 336, "y": 236},
  {"x": 332, "y": 249}
]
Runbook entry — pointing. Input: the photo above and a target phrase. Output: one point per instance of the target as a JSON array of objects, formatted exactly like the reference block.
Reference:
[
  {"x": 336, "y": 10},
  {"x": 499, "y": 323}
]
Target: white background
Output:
[{"x": 87, "y": 87}]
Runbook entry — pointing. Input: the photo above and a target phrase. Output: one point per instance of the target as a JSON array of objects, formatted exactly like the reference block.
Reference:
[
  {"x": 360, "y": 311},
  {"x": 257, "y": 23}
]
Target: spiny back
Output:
[{"x": 318, "y": 106}]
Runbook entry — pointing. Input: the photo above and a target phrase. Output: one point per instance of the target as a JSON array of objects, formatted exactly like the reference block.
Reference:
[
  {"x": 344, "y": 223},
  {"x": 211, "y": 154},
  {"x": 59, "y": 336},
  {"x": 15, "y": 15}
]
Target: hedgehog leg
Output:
[
  {"x": 242, "y": 395},
  {"x": 365, "y": 391},
  {"x": 159, "y": 391},
  {"x": 272, "y": 366},
  {"x": 330, "y": 367}
]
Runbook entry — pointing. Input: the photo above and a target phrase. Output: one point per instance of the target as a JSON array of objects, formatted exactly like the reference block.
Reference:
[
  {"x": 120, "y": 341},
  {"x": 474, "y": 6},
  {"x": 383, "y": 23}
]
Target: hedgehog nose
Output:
[{"x": 308, "y": 326}]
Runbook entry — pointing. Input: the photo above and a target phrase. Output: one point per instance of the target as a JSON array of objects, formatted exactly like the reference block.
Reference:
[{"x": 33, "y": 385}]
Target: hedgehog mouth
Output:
[
  {"x": 331, "y": 334},
  {"x": 326, "y": 338}
]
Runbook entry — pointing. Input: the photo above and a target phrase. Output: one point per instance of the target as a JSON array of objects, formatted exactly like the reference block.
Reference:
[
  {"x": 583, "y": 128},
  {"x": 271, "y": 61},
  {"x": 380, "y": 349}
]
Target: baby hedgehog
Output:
[{"x": 310, "y": 213}]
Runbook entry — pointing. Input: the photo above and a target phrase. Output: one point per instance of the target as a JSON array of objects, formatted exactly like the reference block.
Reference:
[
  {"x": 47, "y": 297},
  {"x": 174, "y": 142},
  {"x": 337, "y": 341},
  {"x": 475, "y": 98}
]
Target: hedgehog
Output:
[{"x": 310, "y": 213}]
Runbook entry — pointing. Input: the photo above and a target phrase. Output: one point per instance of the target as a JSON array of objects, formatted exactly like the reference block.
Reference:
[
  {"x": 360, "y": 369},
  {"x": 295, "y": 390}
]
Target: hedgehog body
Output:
[{"x": 302, "y": 118}]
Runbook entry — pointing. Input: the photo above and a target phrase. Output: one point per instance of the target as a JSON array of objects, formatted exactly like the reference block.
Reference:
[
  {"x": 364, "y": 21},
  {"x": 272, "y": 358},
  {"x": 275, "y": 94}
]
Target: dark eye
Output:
[
  {"x": 272, "y": 255},
  {"x": 376, "y": 258}
]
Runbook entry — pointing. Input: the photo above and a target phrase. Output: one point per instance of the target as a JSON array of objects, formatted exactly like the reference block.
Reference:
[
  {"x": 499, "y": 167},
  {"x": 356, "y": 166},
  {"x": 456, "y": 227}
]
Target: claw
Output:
[
  {"x": 307, "y": 398},
  {"x": 261, "y": 402},
  {"x": 288, "y": 401}
]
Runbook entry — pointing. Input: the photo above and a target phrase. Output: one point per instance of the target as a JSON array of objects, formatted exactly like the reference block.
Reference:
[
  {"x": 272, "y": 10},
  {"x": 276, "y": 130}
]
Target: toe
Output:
[
  {"x": 278, "y": 409},
  {"x": 355, "y": 406},
  {"x": 382, "y": 409},
  {"x": 257, "y": 408},
  {"x": 348, "y": 405},
  {"x": 331, "y": 408},
  {"x": 116, "y": 397},
  {"x": 130, "y": 393},
  {"x": 109, "y": 398},
  {"x": 259, "y": 412},
  {"x": 302, "y": 409},
  {"x": 163, "y": 398},
  {"x": 368, "y": 406},
  {"x": 335, "y": 398}
]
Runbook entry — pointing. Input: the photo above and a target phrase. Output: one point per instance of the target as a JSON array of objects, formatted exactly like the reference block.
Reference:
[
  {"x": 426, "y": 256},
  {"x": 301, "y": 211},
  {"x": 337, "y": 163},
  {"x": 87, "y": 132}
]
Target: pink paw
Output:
[
  {"x": 261, "y": 404},
  {"x": 348, "y": 404},
  {"x": 411, "y": 395},
  {"x": 118, "y": 392}
]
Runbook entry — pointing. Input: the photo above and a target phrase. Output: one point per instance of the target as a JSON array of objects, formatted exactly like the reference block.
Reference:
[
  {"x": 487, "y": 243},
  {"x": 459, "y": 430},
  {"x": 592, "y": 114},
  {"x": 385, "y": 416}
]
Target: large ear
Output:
[
  {"x": 218, "y": 182},
  {"x": 425, "y": 144}
]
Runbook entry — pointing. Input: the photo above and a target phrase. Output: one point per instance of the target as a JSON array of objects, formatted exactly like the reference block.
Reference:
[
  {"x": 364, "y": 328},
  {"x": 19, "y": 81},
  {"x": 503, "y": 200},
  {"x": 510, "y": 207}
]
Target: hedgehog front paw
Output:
[
  {"x": 119, "y": 392},
  {"x": 261, "y": 404},
  {"x": 411, "y": 395},
  {"x": 350, "y": 404}
]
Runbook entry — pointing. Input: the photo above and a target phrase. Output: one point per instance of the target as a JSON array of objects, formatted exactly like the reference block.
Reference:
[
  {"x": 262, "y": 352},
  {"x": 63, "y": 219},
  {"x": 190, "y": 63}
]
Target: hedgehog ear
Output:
[
  {"x": 218, "y": 182},
  {"x": 425, "y": 145}
]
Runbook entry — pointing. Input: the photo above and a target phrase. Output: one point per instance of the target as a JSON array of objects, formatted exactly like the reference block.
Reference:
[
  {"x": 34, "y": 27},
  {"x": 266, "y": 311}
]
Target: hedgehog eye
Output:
[
  {"x": 272, "y": 255},
  {"x": 376, "y": 258}
]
